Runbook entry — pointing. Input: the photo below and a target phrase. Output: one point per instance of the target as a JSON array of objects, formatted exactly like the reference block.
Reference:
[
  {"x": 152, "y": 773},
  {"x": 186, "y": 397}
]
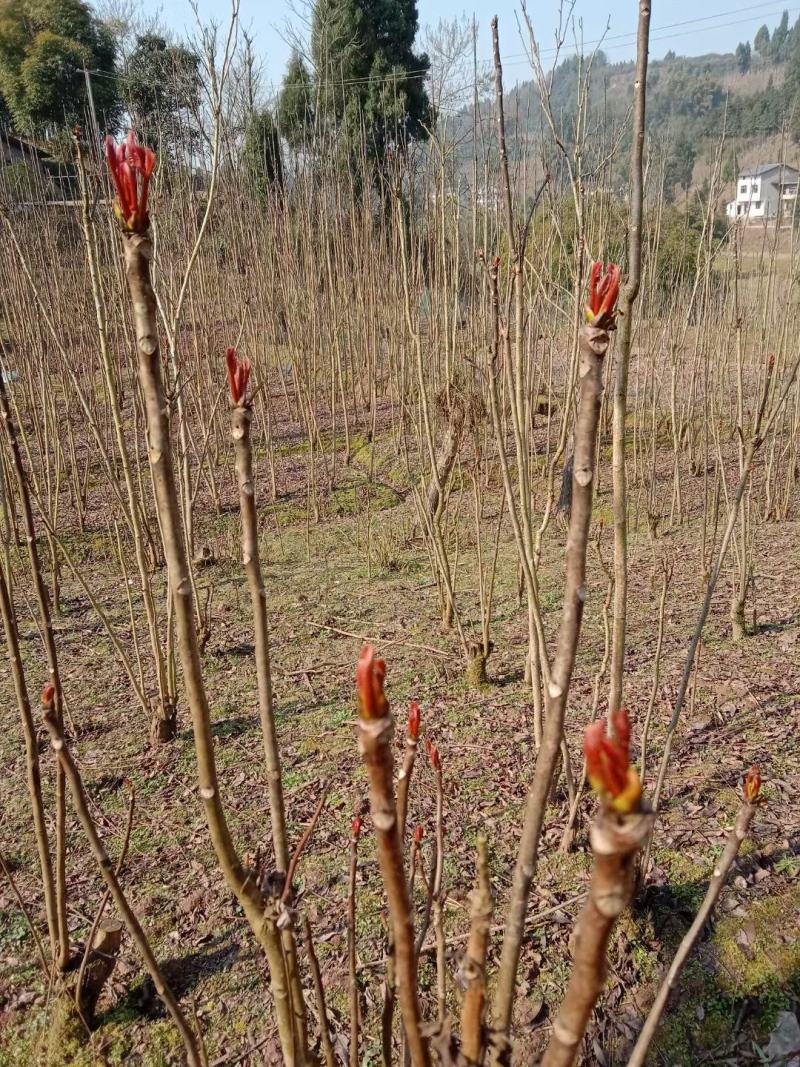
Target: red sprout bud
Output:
[
  {"x": 419, "y": 833},
  {"x": 433, "y": 756},
  {"x": 355, "y": 827},
  {"x": 752, "y": 785},
  {"x": 370, "y": 674},
  {"x": 608, "y": 764},
  {"x": 603, "y": 293},
  {"x": 414, "y": 718},
  {"x": 238, "y": 375},
  {"x": 48, "y": 695},
  {"x": 131, "y": 166}
]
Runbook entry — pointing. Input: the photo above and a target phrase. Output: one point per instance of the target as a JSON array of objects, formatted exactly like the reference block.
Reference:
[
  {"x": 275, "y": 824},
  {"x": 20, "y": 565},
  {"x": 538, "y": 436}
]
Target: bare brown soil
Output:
[{"x": 362, "y": 570}]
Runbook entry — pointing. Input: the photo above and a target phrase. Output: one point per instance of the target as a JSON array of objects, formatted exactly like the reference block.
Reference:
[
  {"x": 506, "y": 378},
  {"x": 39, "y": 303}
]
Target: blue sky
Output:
[{"x": 687, "y": 26}]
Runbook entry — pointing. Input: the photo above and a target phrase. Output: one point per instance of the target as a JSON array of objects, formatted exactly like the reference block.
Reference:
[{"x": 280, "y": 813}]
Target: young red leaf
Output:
[
  {"x": 603, "y": 293},
  {"x": 414, "y": 718},
  {"x": 131, "y": 165},
  {"x": 608, "y": 764},
  {"x": 370, "y": 675},
  {"x": 238, "y": 375},
  {"x": 752, "y": 785}
]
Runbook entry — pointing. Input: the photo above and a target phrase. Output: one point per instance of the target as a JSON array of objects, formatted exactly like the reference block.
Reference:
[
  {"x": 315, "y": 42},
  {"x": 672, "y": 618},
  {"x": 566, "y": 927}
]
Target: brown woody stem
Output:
[
  {"x": 241, "y": 418},
  {"x": 473, "y": 966},
  {"x": 387, "y": 1012},
  {"x": 351, "y": 951},
  {"x": 260, "y": 912},
  {"x": 45, "y": 617},
  {"x": 375, "y": 736},
  {"x": 32, "y": 768},
  {"x": 593, "y": 345},
  {"x": 404, "y": 784},
  {"x": 615, "y": 844},
  {"x": 618, "y": 472},
  {"x": 319, "y": 993}
]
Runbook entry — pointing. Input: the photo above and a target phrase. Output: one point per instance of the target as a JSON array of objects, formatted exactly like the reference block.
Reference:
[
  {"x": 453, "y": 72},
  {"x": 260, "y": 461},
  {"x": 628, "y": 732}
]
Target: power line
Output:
[{"x": 519, "y": 58}]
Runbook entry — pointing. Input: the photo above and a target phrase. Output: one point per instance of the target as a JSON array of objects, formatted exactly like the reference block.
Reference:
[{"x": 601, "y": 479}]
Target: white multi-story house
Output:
[{"x": 765, "y": 192}]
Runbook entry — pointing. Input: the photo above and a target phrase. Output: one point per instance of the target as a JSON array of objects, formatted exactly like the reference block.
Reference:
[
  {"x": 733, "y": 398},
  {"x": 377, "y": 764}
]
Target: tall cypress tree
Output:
[
  {"x": 369, "y": 78},
  {"x": 261, "y": 153},
  {"x": 295, "y": 112}
]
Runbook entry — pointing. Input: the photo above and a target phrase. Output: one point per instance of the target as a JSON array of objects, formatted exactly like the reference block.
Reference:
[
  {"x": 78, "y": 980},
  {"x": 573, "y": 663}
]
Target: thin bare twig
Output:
[{"x": 298, "y": 852}]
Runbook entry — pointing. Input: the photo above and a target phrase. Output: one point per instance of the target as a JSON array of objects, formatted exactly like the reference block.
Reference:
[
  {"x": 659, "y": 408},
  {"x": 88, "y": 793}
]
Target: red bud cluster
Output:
[
  {"x": 131, "y": 166},
  {"x": 355, "y": 827},
  {"x": 238, "y": 375},
  {"x": 608, "y": 763},
  {"x": 752, "y": 785},
  {"x": 414, "y": 719},
  {"x": 603, "y": 293},
  {"x": 48, "y": 695},
  {"x": 433, "y": 754},
  {"x": 370, "y": 675}
]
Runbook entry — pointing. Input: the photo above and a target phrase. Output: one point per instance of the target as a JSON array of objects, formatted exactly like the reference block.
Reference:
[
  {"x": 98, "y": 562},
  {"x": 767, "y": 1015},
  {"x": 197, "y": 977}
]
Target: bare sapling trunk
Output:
[
  {"x": 32, "y": 768},
  {"x": 45, "y": 618},
  {"x": 722, "y": 868},
  {"x": 375, "y": 743},
  {"x": 261, "y": 911},
  {"x": 446, "y": 454},
  {"x": 92, "y": 973},
  {"x": 100, "y": 960},
  {"x": 742, "y": 550},
  {"x": 473, "y": 965},
  {"x": 617, "y": 836},
  {"x": 437, "y": 894},
  {"x": 403, "y": 786},
  {"x": 513, "y": 346},
  {"x": 352, "y": 933},
  {"x": 241, "y": 419},
  {"x": 109, "y": 935},
  {"x": 319, "y": 993},
  {"x": 593, "y": 345},
  {"x": 629, "y": 295},
  {"x": 407, "y": 770},
  {"x": 165, "y": 721},
  {"x": 667, "y": 568}
]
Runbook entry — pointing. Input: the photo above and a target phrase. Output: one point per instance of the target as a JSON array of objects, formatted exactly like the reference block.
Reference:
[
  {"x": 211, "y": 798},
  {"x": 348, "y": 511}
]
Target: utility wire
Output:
[{"x": 522, "y": 58}]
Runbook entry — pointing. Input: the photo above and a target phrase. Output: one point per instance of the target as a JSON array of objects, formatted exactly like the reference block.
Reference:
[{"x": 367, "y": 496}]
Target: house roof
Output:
[{"x": 765, "y": 168}]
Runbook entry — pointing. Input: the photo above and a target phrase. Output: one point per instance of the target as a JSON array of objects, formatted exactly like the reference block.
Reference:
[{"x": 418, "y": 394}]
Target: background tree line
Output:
[{"x": 362, "y": 83}]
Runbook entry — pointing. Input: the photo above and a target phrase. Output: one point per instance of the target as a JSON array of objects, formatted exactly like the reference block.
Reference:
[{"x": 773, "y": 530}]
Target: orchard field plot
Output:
[
  {"x": 744, "y": 707},
  {"x": 399, "y": 556}
]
